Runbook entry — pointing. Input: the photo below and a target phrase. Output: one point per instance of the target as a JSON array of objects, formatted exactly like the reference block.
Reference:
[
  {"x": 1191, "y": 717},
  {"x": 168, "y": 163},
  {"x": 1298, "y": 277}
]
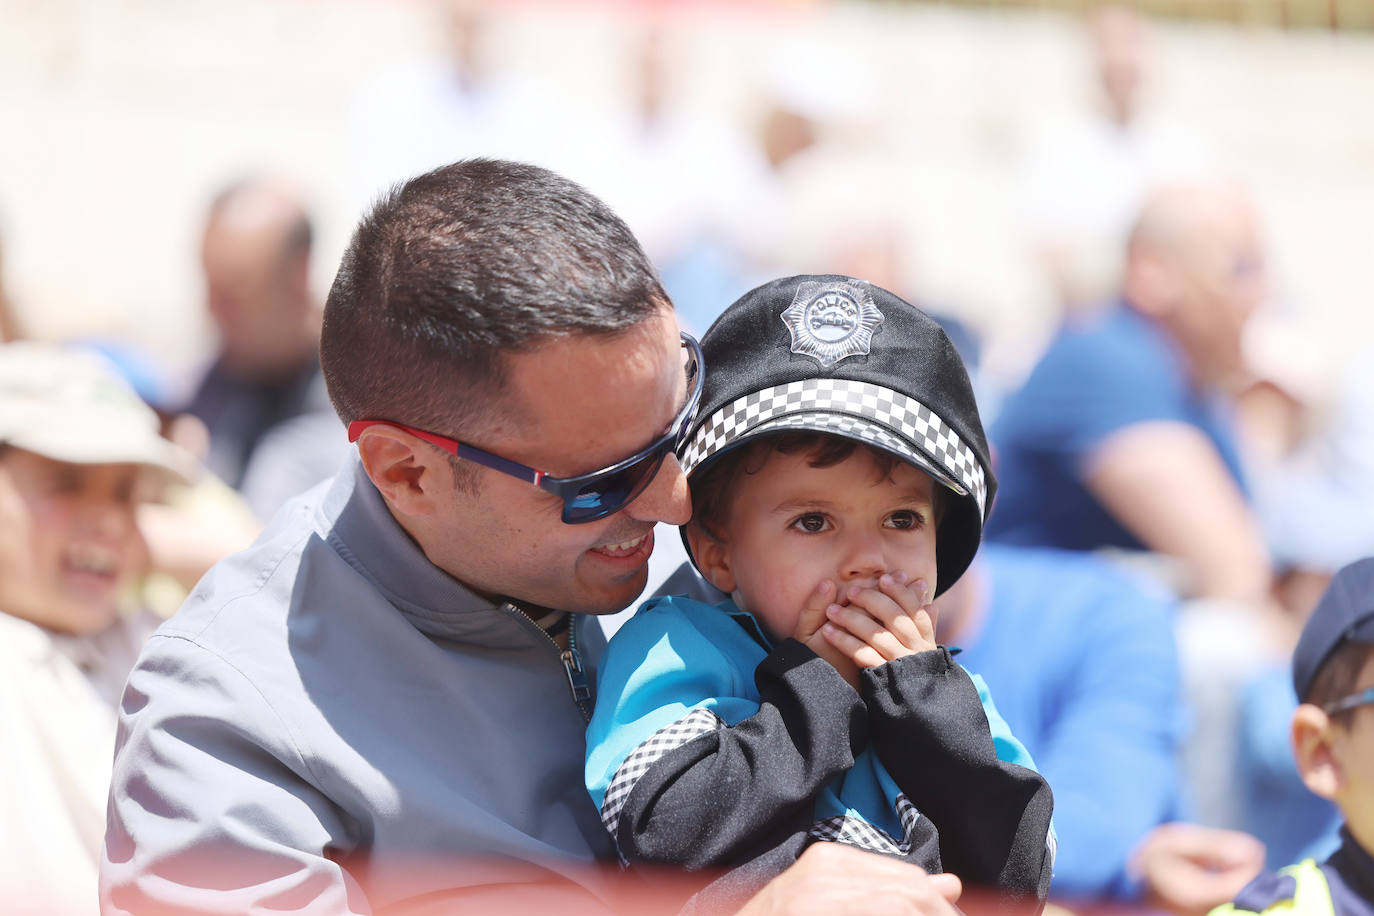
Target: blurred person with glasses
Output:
[{"x": 381, "y": 705}]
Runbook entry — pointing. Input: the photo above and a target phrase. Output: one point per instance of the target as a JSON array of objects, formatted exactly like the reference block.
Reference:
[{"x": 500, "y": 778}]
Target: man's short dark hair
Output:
[{"x": 455, "y": 268}]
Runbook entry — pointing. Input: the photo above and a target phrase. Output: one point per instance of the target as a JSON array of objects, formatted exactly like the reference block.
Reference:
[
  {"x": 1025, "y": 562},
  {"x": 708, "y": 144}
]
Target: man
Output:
[
  {"x": 381, "y": 706},
  {"x": 256, "y": 259},
  {"x": 1122, "y": 436}
]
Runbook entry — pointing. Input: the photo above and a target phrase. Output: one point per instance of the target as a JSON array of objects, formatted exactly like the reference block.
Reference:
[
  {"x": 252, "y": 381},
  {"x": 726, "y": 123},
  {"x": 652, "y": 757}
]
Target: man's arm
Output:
[
  {"x": 212, "y": 807},
  {"x": 831, "y": 879},
  {"x": 1165, "y": 483}
]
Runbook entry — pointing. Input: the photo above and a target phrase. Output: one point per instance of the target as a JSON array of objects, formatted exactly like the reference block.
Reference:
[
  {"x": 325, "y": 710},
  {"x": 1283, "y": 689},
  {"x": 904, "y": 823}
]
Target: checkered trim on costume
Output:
[
  {"x": 905, "y": 416},
  {"x": 696, "y": 723},
  {"x": 855, "y": 831}
]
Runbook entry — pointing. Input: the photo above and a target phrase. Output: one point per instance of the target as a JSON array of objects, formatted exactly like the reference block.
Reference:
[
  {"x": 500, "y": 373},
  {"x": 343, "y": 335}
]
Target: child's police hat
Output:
[
  {"x": 836, "y": 355},
  {"x": 1345, "y": 613}
]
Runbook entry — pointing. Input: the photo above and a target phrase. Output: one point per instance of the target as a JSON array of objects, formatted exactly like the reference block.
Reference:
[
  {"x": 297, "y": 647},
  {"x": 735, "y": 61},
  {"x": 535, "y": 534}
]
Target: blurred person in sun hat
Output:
[
  {"x": 190, "y": 526},
  {"x": 79, "y": 453}
]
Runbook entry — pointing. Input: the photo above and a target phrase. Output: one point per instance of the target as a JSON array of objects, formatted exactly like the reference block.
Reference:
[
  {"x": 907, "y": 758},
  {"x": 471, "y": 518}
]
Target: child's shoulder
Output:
[{"x": 688, "y": 621}]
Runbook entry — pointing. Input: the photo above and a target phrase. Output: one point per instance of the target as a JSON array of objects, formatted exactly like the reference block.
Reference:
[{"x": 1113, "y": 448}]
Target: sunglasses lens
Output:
[{"x": 606, "y": 495}]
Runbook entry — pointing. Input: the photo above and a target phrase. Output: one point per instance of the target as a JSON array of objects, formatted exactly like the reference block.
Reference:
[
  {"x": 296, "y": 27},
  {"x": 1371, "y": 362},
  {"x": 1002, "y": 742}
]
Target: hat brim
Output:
[
  {"x": 847, "y": 426},
  {"x": 110, "y": 444}
]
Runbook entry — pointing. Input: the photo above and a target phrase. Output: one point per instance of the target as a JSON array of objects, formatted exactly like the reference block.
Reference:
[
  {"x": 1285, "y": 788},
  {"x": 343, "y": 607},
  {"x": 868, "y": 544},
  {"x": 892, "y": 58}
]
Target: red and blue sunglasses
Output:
[{"x": 586, "y": 497}]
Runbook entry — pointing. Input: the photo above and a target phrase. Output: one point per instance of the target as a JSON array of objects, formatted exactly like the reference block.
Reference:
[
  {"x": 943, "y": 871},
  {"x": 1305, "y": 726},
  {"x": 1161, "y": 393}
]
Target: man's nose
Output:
[{"x": 666, "y": 499}]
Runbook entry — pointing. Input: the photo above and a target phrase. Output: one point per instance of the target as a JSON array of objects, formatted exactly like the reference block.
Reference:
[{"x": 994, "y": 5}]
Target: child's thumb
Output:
[{"x": 812, "y": 616}]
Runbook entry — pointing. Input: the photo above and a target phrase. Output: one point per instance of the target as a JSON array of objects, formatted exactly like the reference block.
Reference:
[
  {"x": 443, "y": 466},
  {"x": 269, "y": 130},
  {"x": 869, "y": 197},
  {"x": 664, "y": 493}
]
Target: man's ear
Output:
[
  {"x": 1149, "y": 283},
  {"x": 712, "y": 558},
  {"x": 298, "y": 276},
  {"x": 405, "y": 469},
  {"x": 1314, "y": 753}
]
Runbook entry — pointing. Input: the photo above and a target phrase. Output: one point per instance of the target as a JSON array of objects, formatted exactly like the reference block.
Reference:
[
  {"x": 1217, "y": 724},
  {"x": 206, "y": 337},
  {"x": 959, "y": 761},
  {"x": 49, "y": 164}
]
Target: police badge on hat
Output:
[{"x": 832, "y": 321}]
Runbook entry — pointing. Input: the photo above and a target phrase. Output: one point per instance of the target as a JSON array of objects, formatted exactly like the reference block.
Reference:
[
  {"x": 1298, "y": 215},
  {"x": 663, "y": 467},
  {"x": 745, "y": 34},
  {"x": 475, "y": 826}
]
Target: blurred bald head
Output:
[
  {"x": 1120, "y": 47},
  {"x": 1195, "y": 263},
  {"x": 256, "y": 257}
]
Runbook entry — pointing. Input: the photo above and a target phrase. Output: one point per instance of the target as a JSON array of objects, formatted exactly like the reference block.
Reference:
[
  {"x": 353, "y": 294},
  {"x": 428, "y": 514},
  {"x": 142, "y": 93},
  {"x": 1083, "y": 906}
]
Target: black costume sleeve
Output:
[
  {"x": 928, "y": 727},
  {"x": 731, "y": 795}
]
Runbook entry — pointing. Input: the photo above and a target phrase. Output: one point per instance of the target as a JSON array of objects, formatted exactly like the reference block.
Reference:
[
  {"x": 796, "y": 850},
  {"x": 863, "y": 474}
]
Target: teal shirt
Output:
[{"x": 677, "y": 655}]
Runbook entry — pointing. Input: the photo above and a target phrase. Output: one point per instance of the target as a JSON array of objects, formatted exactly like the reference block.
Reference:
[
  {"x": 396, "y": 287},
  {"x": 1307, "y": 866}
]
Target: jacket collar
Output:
[
  {"x": 361, "y": 530},
  {"x": 1350, "y": 878}
]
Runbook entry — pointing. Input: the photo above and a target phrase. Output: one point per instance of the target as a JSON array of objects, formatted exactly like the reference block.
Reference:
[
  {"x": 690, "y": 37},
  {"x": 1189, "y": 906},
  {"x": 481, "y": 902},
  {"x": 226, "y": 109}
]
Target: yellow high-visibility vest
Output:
[{"x": 1310, "y": 896}]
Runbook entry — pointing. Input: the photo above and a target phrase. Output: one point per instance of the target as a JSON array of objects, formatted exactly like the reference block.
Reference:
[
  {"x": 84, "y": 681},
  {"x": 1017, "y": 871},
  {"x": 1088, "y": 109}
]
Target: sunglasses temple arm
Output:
[{"x": 497, "y": 463}]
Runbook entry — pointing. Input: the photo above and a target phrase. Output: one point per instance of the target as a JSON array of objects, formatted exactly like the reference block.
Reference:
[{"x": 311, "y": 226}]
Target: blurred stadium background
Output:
[{"x": 119, "y": 119}]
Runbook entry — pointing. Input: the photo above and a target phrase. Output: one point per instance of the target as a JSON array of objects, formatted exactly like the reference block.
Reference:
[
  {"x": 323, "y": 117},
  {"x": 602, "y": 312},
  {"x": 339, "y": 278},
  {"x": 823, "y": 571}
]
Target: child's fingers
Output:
[
  {"x": 862, "y": 625},
  {"x": 812, "y": 616},
  {"x": 912, "y": 598},
  {"x": 853, "y": 648},
  {"x": 893, "y": 606},
  {"x": 925, "y": 621},
  {"x": 909, "y": 596},
  {"x": 880, "y": 606}
]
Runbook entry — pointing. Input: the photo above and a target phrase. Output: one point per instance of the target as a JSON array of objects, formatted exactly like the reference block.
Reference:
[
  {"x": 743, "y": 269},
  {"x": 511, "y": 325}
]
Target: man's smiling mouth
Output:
[{"x": 624, "y": 548}]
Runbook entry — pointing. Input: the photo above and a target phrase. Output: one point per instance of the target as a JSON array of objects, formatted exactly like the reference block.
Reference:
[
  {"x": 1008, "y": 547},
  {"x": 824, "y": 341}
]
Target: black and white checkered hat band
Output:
[
  {"x": 852, "y": 427},
  {"x": 898, "y": 422}
]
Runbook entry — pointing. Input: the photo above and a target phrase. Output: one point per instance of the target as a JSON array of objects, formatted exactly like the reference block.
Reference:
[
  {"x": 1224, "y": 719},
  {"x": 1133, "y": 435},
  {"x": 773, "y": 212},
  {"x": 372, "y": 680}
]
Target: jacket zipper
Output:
[{"x": 578, "y": 684}]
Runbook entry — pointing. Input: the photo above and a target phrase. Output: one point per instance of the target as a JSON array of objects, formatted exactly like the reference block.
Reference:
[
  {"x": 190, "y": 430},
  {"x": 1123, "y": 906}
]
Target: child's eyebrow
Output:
[
  {"x": 913, "y": 497},
  {"x": 793, "y": 505}
]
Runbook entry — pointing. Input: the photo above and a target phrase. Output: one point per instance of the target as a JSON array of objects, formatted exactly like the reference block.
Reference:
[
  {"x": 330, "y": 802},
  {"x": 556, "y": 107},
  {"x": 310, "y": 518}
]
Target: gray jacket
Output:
[{"x": 332, "y": 724}]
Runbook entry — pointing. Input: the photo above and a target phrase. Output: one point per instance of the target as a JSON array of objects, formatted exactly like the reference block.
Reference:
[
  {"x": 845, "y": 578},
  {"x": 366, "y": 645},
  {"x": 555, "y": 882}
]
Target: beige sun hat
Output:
[{"x": 72, "y": 405}]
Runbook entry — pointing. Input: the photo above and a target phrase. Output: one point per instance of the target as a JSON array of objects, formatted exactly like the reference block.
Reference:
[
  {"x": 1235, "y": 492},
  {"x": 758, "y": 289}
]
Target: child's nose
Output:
[{"x": 864, "y": 558}]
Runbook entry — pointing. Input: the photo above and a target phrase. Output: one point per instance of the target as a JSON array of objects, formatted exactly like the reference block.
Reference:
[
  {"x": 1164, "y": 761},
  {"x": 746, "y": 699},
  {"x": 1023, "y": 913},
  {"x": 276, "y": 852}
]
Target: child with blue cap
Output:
[{"x": 1333, "y": 746}]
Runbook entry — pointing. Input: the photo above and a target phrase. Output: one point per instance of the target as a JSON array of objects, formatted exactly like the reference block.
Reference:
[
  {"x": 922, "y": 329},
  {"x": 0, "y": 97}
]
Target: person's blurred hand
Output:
[
  {"x": 1188, "y": 869},
  {"x": 831, "y": 879}
]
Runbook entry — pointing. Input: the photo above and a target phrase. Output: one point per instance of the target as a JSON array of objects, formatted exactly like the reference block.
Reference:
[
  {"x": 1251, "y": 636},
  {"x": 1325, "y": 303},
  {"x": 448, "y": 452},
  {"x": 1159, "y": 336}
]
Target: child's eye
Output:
[
  {"x": 811, "y": 523},
  {"x": 904, "y": 520}
]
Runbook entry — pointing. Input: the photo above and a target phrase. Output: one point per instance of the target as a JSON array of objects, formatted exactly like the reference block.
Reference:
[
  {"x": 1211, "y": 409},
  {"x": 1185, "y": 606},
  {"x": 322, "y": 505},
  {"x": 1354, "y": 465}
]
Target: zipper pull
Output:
[{"x": 577, "y": 679}]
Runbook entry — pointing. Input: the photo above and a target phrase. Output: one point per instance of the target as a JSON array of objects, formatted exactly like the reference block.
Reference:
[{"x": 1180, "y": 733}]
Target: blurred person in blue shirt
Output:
[{"x": 1123, "y": 434}]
